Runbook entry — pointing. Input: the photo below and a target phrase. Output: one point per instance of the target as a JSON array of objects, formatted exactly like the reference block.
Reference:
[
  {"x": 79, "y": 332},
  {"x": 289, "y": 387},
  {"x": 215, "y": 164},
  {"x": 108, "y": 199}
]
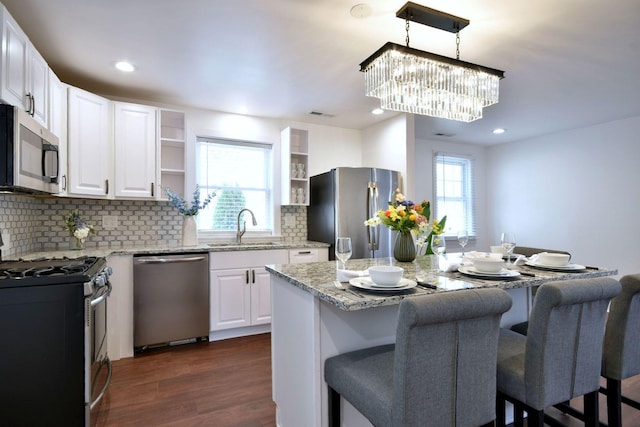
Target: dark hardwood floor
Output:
[
  {"x": 226, "y": 384},
  {"x": 223, "y": 383}
]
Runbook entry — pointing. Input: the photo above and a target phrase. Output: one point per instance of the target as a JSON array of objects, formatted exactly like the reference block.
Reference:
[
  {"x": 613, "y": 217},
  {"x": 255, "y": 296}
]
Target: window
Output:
[
  {"x": 241, "y": 175},
  {"x": 454, "y": 192}
]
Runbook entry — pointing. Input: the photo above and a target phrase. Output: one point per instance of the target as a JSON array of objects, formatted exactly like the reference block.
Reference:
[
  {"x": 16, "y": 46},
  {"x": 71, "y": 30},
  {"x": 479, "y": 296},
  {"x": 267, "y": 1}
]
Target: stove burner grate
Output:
[{"x": 45, "y": 267}]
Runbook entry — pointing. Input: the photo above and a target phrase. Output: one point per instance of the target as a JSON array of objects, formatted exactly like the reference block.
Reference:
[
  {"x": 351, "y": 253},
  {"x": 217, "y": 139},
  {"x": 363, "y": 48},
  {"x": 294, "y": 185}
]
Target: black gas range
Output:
[
  {"x": 53, "y": 317},
  {"x": 53, "y": 271}
]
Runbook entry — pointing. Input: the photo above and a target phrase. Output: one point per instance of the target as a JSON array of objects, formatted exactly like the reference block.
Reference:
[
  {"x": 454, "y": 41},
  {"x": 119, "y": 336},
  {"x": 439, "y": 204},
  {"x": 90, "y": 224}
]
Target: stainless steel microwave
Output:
[{"x": 29, "y": 159}]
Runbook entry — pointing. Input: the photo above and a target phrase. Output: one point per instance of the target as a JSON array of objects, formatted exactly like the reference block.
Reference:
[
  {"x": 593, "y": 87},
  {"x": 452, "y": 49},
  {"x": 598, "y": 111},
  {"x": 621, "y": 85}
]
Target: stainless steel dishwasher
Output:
[{"x": 170, "y": 299}]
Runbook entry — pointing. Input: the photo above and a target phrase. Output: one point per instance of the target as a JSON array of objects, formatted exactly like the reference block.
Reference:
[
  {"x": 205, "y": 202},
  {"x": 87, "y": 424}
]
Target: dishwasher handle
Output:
[{"x": 169, "y": 260}]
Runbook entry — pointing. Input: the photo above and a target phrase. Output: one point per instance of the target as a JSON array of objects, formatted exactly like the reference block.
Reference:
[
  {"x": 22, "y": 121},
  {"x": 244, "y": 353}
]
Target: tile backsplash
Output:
[{"x": 33, "y": 224}]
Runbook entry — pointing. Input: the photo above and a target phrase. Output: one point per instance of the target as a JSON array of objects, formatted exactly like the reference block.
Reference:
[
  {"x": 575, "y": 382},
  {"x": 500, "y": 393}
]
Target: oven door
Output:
[{"x": 99, "y": 370}]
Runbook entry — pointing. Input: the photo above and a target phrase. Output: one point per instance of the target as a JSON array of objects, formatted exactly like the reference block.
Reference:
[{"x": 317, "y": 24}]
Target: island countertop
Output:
[{"x": 319, "y": 280}]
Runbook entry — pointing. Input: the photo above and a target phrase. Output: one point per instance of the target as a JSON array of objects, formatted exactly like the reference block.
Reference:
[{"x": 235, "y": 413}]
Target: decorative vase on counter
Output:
[
  {"x": 75, "y": 244},
  {"x": 189, "y": 231},
  {"x": 404, "y": 249}
]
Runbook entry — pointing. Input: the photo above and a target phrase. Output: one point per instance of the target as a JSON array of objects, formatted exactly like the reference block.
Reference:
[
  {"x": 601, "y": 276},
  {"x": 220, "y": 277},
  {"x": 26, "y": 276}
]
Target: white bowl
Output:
[
  {"x": 386, "y": 275},
  {"x": 488, "y": 264},
  {"x": 498, "y": 250},
  {"x": 557, "y": 260}
]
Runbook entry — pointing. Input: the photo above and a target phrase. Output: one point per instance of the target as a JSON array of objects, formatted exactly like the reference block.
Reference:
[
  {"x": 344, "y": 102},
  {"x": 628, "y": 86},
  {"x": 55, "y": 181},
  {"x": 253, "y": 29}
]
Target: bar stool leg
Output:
[
  {"x": 591, "y": 411},
  {"x": 334, "y": 408},
  {"x": 500, "y": 410},
  {"x": 614, "y": 402}
]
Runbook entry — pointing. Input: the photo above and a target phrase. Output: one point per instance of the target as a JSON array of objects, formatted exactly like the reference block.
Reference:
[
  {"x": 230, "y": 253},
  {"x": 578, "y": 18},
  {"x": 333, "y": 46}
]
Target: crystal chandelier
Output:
[{"x": 419, "y": 82}]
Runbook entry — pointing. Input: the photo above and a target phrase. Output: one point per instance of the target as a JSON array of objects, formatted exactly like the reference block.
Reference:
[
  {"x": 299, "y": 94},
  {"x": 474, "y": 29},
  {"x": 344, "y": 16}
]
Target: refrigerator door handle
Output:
[{"x": 373, "y": 233}]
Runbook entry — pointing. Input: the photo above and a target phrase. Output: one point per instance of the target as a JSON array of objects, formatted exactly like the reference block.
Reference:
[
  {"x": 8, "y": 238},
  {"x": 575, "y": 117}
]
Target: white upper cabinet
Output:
[
  {"x": 172, "y": 152},
  {"x": 24, "y": 72},
  {"x": 295, "y": 166},
  {"x": 135, "y": 151},
  {"x": 90, "y": 145},
  {"x": 58, "y": 125}
]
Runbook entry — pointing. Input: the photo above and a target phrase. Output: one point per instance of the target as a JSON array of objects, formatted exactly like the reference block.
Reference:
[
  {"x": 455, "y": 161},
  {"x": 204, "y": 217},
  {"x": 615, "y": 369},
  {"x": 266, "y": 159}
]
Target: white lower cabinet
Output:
[
  {"x": 304, "y": 255},
  {"x": 240, "y": 294}
]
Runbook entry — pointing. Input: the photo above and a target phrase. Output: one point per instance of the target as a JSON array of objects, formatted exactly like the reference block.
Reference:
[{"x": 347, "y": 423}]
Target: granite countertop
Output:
[
  {"x": 319, "y": 279},
  {"x": 159, "y": 249}
]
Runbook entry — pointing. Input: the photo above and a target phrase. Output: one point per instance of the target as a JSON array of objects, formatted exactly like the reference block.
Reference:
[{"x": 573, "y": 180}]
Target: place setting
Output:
[
  {"x": 487, "y": 266},
  {"x": 383, "y": 278},
  {"x": 554, "y": 262}
]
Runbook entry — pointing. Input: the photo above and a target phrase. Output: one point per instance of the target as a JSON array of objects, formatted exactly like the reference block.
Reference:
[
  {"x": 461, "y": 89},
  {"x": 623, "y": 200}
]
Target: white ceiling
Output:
[{"x": 567, "y": 64}]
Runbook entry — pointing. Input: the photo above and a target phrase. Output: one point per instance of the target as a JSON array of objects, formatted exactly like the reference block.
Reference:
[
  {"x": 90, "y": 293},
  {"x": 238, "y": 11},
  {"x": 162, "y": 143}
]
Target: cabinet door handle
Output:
[
  {"x": 247, "y": 275},
  {"x": 253, "y": 276},
  {"x": 304, "y": 253},
  {"x": 106, "y": 186},
  {"x": 152, "y": 189},
  {"x": 33, "y": 106},
  {"x": 28, "y": 109},
  {"x": 64, "y": 182}
]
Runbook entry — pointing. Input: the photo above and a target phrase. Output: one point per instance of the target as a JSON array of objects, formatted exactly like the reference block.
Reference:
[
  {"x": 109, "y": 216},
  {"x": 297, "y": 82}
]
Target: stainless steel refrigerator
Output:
[{"x": 342, "y": 199}]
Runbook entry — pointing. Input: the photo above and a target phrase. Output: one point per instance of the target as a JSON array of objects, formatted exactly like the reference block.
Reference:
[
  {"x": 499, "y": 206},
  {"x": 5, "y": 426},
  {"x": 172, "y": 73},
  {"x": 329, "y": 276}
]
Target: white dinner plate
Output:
[
  {"x": 502, "y": 274},
  {"x": 367, "y": 284},
  {"x": 568, "y": 267}
]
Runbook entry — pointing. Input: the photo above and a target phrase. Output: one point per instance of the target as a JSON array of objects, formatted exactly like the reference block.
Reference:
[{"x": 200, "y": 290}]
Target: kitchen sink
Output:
[{"x": 244, "y": 244}]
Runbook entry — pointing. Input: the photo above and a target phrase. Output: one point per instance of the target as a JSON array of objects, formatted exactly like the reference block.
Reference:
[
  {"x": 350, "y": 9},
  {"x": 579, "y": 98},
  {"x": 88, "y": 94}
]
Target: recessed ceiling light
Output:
[
  {"x": 377, "y": 111},
  {"x": 125, "y": 66},
  {"x": 498, "y": 131}
]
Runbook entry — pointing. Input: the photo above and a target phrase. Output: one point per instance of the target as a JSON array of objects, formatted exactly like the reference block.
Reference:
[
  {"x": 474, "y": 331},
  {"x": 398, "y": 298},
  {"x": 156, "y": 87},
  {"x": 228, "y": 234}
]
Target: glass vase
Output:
[
  {"x": 75, "y": 244},
  {"x": 189, "y": 231},
  {"x": 404, "y": 249}
]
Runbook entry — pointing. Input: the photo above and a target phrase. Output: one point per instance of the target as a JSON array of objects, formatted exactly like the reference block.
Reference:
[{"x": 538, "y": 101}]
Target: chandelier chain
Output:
[
  {"x": 406, "y": 26},
  {"x": 458, "y": 45}
]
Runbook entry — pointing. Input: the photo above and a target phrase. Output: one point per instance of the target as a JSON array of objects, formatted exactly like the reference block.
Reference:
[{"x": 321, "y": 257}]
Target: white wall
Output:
[
  {"x": 384, "y": 145},
  {"x": 576, "y": 190},
  {"x": 424, "y": 150},
  {"x": 329, "y": 146}
]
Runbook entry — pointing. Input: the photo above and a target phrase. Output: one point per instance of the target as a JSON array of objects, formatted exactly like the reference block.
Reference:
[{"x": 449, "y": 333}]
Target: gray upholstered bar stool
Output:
[
  {"x": 621, "y": 349},
  {"x": 560, "y": 356},
  {"x": 441, "y": 370},
  {"x": 529, "y": 252}
]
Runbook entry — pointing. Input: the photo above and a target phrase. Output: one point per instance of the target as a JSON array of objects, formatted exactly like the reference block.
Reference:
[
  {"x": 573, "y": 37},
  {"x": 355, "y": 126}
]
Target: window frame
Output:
[
  {"x": 272, "y": 192},
  {"x": 469, "y": 189}
]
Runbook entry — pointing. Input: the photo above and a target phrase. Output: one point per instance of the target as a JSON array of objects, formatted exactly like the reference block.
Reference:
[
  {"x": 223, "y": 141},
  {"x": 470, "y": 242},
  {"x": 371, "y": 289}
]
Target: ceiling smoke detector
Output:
[{"x": 361, "y": 10}]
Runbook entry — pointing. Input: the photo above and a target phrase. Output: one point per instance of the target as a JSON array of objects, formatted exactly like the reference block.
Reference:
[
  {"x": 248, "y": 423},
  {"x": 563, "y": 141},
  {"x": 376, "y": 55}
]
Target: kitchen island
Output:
[{"x": 312, "y": 320}]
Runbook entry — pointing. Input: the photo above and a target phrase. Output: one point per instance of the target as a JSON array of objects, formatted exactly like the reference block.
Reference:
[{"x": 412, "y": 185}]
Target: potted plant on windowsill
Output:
[{"x": 189, "y": 212}]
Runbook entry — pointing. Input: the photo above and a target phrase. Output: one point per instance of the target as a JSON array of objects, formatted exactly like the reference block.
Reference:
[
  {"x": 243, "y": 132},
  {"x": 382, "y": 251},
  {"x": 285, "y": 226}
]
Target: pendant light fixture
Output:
[{"x": 414, "y": 81}]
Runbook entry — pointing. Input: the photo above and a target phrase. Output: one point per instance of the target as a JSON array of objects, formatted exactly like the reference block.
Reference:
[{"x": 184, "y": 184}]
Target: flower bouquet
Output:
[
  {"x": 408, "y": 218},
  {"x": 189, "y": 210},
  {"x": 79, "y": 229},
  {"x": 186, "y": 208}
]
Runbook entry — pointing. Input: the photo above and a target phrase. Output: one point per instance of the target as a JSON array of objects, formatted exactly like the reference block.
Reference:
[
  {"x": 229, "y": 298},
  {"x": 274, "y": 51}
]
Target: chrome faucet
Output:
[{"x": 244, "y": 224}]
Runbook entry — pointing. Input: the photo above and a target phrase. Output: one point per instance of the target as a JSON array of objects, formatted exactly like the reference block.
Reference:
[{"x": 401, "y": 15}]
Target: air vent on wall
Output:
[{"x": 318, "y": 113}]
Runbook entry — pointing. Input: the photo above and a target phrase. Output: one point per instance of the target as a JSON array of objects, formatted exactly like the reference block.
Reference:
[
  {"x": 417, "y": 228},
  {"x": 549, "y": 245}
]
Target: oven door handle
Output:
[
  {"x": 104, "y": 386},
  {"x": 102, "y": 297}
]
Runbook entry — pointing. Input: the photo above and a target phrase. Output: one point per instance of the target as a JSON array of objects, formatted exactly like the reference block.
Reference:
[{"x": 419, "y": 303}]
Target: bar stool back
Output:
[
  {"x": 560, "y": 357},
  {"x": 621, "y": 349},
  {"x": 441, "y": 370}
]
